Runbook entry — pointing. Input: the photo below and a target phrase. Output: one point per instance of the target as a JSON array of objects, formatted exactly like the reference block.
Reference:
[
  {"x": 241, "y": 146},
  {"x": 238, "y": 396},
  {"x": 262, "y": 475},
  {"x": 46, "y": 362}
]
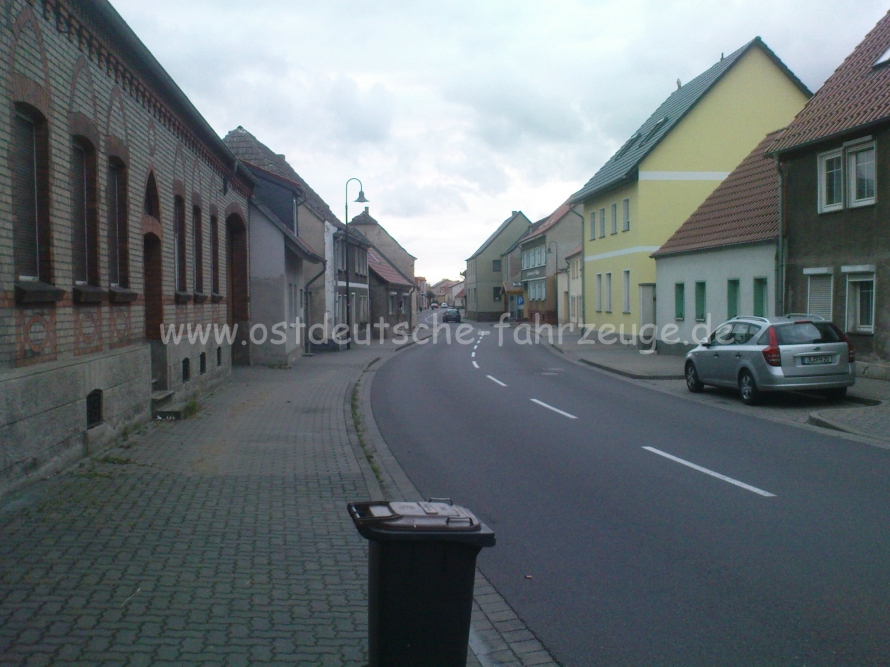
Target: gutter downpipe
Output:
[
  {"x": 583, "y": 299},
  {"x": 306, "y": 352},
  {"x": 780, "y": 249}
]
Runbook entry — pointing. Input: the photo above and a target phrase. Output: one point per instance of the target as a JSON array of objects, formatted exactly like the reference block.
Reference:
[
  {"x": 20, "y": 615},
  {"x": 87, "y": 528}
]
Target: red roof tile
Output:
[
  {"x": 384, "y": 270},
  {"x": 858, "y": 93},
  {"x": 744, "y": 208}
]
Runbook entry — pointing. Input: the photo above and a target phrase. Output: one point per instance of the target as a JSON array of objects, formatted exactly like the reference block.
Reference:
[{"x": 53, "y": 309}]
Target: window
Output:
[
  {"x": 94, "y": 408},
  {"x": 219, "y": 356},
  {"x": 625, "y": 279},
  {"x": 198, "y": 240},
  {"x": 607, "y": 297},
  {"x": 179, "y": 243},
  {"x": 602, "y": 222},
  {"x": 625, "y": 215},
  {"x": 700, "y": 302},
  {"x": 151, "y": 205},
  {"x": 118, "y": 228},
  {"x": 496, "y": 265},
  {"x": 819, "y": 295},
  {"x": 593, "y": 225},
  {"x": 186, "y": 370},
  {"x": 614, "y": 218},
  {"x": 214, "y": 254},
  {"x": 202, "y": 363},
  {"x": 761, "y": 297},
  {"x": 84, "y": 232},
  {"x": 496, "y": 293},
  {"x": 861, "y": 302},
  {"x": 679, "y": 301},
  {"x": 861, "y": 175},
  {"x": 599, "y": 292},
  {"x": 732, "y": 299},
  {"x": 30, "y": 184},
  {"x": 831, "y": 182}
]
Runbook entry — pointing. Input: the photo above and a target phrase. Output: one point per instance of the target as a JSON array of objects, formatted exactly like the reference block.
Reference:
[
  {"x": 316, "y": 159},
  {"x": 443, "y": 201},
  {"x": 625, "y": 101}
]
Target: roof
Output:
[
  {"x": 857, "y": 94},
  {"x": 461, "y": 294},
  {"x": 249, "y": 149},
  {"x": 386, "y": 270},
  {"x": 548, "y": 222},
  {"x": 496, "y": 233},
  {"x": 532, "y": 228},
  {"x": 364, "y": 218},
  {"x": 622, "y": 166},
  {"x": 289, "y": 237},
  {"x": 576, "y": 251},
  {"x": 147, "y": 67},
  {"x": 744, "y": 208}
]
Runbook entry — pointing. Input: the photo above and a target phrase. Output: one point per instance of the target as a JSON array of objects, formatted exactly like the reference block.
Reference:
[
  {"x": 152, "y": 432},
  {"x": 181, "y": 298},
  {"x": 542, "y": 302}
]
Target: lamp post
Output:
[{"x": 361, "y": 200}]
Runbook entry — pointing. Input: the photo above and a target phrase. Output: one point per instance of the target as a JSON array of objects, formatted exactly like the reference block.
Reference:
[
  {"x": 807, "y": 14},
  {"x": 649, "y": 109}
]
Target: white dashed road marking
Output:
[
  {"x": 475, "y": 365},
  {"x": 711, "y": 473},
  {"x": 550, "y": 407},
  {"x": 495, "y": 380}
]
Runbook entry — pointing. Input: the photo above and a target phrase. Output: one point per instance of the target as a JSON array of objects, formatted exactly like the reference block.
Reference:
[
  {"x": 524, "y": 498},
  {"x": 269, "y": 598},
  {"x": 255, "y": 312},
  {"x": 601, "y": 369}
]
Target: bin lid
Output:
[{"x": 436, "y": 519}]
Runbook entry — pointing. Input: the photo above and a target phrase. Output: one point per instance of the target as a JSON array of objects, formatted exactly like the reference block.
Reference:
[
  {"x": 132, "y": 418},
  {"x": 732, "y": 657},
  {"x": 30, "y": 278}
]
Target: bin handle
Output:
[
  {"x": 459, "y": 519},
  {"x": 360, "y": 517}
]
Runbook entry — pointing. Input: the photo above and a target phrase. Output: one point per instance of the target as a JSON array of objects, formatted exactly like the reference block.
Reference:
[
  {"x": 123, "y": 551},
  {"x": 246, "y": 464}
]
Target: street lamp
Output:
[{"x": 361, "y": 200}]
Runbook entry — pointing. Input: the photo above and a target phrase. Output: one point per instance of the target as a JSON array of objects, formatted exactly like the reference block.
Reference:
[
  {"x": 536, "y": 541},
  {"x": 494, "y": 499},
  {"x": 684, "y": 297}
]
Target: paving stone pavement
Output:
[{"x": 222, "y": 539}]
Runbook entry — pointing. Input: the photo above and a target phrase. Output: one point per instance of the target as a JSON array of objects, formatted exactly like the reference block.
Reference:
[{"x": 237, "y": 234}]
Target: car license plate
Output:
[{"x": 814, "y": 359}]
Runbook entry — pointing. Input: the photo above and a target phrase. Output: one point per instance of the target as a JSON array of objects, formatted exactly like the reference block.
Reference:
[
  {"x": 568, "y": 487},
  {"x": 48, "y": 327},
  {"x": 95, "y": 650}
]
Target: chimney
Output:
[{"x": 366, "y": 210}]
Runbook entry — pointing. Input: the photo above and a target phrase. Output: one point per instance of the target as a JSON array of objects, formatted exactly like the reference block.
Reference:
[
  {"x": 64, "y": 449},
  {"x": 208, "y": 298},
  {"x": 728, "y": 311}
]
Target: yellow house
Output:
[{"x": 667, "y": 168}]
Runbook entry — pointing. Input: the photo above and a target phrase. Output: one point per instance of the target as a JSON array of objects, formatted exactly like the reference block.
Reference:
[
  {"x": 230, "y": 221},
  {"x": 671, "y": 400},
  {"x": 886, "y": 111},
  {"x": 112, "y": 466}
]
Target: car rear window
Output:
[{"x": 803, "y": 333}]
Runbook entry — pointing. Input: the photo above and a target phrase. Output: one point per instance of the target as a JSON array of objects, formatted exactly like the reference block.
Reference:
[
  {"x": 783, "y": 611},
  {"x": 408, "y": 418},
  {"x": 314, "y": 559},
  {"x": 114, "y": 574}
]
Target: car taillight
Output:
[
  {"x": 852, "y": 351},
  {"x": 771, "y": 354}
]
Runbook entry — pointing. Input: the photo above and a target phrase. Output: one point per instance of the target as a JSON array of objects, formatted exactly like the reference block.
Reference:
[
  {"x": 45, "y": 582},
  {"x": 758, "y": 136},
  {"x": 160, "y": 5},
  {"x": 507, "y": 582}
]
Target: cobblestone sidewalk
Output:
[{"x": 222, "y": 539}]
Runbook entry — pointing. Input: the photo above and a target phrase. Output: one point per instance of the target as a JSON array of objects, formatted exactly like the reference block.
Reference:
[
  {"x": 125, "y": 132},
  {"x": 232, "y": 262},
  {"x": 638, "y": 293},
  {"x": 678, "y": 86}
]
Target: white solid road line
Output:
[
  {"x": 550, "y": 407},
  {"x": 473, "y": 354},
  {"x": 495, "y": 380},
  {"x": 475, "y": 365},
  {"x": 712, "y": 473}
]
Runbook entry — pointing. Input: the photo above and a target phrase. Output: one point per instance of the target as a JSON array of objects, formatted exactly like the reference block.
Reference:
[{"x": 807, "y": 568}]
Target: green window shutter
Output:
[
  {"x": 760, "y": 297},
  {"x": 679, "y": 301},
  {"x": 732, "y": 299},
  {"x": 700, "y": 301}
]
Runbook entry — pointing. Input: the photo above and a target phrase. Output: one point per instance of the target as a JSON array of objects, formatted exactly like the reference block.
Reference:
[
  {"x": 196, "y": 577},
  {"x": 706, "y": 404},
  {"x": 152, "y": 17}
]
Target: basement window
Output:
[
  {"x": 94, "y": 408},
  {"x": 202, "y": 363},
  {"x": 186, "y": 370}
]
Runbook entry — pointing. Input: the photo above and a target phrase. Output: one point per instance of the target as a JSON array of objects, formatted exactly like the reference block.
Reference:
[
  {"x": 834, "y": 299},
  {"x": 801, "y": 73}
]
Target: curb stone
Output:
[{"x": 492, "y": 615}]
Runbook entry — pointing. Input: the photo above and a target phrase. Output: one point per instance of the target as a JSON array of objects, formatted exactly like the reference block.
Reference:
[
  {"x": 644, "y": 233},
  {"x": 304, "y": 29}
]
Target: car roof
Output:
[{"x": 790, "y": 318}]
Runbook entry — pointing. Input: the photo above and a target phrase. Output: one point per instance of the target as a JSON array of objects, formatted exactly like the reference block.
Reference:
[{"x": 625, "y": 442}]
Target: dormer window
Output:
[{"x": 884, "y": 59}]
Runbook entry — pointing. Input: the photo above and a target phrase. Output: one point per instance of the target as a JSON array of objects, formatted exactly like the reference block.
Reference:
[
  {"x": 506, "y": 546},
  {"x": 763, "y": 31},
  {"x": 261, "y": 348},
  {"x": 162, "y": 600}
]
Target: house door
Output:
[
  {"x": 153, "y": 276},
  {"x": 647, "y": 314}
]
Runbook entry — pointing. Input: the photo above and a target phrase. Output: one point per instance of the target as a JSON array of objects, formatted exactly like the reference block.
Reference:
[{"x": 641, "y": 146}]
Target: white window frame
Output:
[
  {"x": 822, "y": 159},
  {"x": 852, "y": 306},
  {"x": 625, "y": 279},
  {"x": 599, "y": 293},
  {"x": 593, "y": 225},
  {"x": 603, "y": 222},
  {"x": 852, "y": 154},
  {"x": 614, "y": 220},
  {"x": 625, "y": 215},
  {"x": 607, "y": 306}
]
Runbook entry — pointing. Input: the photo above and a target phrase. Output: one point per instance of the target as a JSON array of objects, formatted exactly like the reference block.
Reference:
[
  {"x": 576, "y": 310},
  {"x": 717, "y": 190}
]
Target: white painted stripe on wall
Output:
[
  {"x": 648, "y": 249},
  {"x": 683, "y": 175}
]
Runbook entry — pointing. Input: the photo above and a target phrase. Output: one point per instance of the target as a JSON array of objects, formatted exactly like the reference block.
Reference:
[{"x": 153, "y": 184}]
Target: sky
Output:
[{"x": 454, "y": 113}]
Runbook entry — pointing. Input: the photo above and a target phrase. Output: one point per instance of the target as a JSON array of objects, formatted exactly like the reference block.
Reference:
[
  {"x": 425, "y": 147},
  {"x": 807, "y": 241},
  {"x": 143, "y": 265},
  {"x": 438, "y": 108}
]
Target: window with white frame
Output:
[
  {"x": 615, "y": 218},
  {"x": 625, "y": 215},
  {"x": 861, "y": 302},
  {"x": 607, "y": 289},
  {"x": 593, "y": 225},
  {"x": 861, "y": 175},
  {"x": 625, "y": 280},
  {"x": 602, "y": 222},
  {"x": 831, "y": 181},
  {"x": 599, "y": 292}
]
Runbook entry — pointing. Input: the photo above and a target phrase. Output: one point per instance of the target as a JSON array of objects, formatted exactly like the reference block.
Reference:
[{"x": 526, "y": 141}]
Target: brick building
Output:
[{"x": 120, "y": 210}]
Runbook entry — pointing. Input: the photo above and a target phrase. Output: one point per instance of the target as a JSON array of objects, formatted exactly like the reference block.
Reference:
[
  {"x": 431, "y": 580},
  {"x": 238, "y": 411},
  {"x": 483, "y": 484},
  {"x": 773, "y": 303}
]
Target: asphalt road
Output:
[{"x": 613, "y": 552}]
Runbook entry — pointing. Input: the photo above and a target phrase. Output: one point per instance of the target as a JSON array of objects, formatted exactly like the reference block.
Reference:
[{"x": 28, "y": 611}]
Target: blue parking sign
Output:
[{"x": 520, "y": 300}]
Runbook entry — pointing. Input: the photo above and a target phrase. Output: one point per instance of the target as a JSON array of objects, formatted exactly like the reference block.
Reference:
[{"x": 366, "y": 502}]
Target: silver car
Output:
[{"x": 760, "y": 354}]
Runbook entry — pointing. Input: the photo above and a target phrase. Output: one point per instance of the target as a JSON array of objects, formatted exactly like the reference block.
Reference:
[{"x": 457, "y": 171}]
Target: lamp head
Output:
[{"x": 361, "y": 197}]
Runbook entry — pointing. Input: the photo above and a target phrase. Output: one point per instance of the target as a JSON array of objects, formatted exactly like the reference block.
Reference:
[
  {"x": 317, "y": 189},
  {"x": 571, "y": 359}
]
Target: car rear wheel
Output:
[
  {"x": 692, "y": 381},
  {"x": 835, "y": 395},
  {"x": 750, "y": 393}
]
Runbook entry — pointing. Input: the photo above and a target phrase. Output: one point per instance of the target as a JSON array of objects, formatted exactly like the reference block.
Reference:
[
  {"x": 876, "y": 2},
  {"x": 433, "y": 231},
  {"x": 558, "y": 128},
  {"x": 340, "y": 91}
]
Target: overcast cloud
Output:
[{"x": 453, "y": 114}]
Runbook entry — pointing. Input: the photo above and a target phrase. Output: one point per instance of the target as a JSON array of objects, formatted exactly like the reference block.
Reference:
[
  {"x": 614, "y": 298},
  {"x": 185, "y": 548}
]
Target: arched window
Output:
[
  {"x": 151, "y": 204},
  {"x": 198, "y": 240},
  {"x": 214, "y": 254},
  {"x": 30, "y": 194},
  {"x": 84, "y": 226},
  {"x": 118, "y": 228},
  {"x": 179, "y": 245}
]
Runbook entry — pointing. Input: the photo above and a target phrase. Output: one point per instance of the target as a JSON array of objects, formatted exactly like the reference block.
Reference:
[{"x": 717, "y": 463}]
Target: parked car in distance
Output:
[
  {"x": 760, "y": 354},
  {"x": 451, "y": 315},
  {"x": 434, "y": 305}
]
